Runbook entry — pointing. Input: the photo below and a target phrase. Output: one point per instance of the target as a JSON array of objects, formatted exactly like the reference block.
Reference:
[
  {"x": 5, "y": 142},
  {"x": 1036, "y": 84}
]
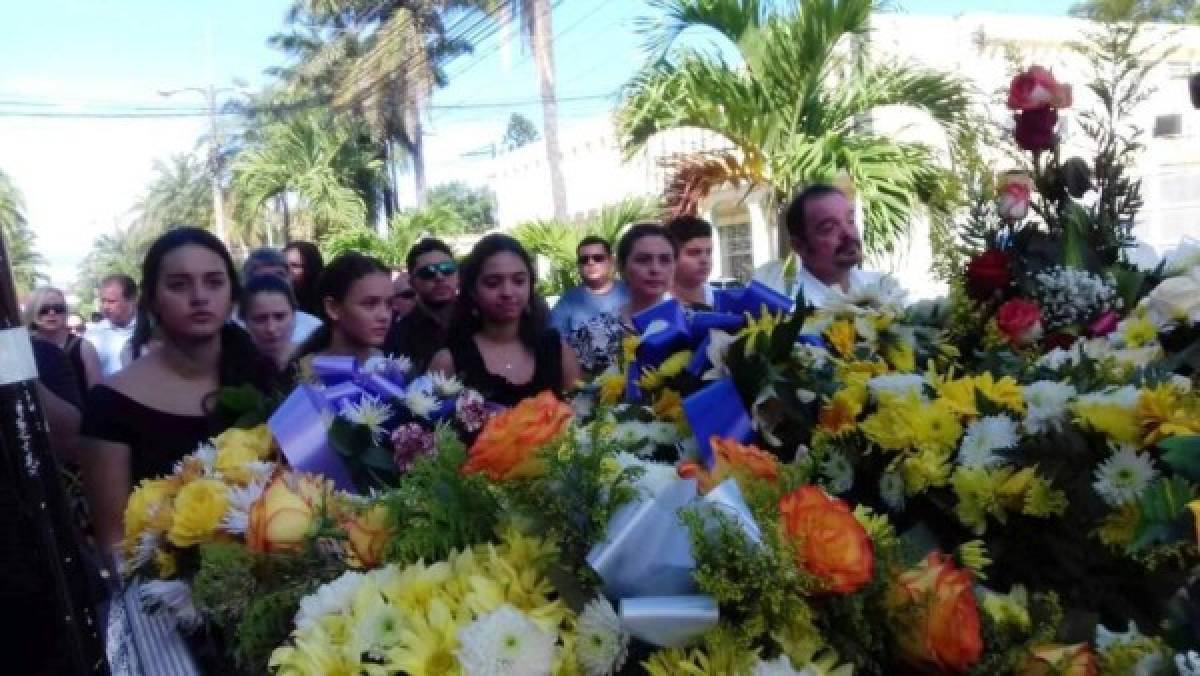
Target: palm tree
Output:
[
  {"x": 317, "y": 159},
  {"x": 179, "y": 194},
  {"x": 118, "y": 252},
  {"x": 24, "y": 260},
  {"x": 797, "y": 107}
]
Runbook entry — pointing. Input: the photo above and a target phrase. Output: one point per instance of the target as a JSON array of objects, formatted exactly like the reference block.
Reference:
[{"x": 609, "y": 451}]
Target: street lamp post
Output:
[{"x": 210, "y": 94}]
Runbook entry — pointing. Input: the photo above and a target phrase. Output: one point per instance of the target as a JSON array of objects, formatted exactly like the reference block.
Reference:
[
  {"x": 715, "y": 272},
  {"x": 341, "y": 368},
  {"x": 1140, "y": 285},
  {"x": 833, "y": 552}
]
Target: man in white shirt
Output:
[
  {"x": 267, "y": 261},
  {"x": 118, "y": 304},
  {"x": 824, "y": 235}
]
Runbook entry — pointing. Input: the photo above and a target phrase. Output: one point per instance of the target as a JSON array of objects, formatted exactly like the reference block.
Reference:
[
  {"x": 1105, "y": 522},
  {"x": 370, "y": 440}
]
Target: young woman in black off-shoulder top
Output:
[{"x": 138, "y": 423}]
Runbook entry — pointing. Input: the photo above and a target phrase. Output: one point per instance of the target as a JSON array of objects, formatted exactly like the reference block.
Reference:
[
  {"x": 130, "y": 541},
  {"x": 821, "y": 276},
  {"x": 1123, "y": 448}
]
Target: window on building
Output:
[
  {"x": 737, "y": 251},
  {"x": 1168, "y": 126}
]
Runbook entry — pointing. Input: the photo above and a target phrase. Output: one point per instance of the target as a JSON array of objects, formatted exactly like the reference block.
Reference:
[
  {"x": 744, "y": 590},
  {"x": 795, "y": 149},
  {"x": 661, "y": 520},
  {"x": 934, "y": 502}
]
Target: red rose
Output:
[
  {"x": 1036, "y": 88},
  {"x": 1035, "y": 129},
  {"x": 1020, "y": 321},
  {"x": 987, "y": 273}
]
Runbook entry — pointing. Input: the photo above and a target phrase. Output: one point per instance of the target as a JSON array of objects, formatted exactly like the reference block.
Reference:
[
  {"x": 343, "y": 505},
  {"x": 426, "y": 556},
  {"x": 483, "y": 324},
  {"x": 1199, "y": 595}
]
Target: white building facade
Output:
[{"x": 978, "y": 47}]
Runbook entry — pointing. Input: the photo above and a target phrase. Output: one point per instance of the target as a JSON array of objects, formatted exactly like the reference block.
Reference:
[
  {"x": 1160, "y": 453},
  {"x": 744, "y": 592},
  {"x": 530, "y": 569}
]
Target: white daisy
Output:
[
  {"x": 780, "y": 666},
  {"x": 505, "y": 642},
  {"x": 172, "y": 598},
  {"x": 630, "y": 434},
  {"x": 719, "y": 343},
  {"x": 445, "y": 386},
  {"x": 420, "y": 402},
  {"x": 662, "y": 432},
  {"x": 1123, "y": 476},
  {"x": 838, "y": 471},
  {"x": 891, "y": 489},
  {"x": 241, "y": 499},
  {"x": 369, "y": 411},
  {"x": 332, "y": 598},
  {"x": 901, "y": 384},
  {"x": 985, "y": 436},
  {"x": 1046, "y": 405},
  {"x": 602, "y": 646}
]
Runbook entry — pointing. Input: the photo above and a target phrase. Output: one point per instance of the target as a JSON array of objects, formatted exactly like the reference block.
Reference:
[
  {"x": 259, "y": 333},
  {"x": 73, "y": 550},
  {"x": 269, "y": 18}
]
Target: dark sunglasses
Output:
[
  {"x": 57, "y": 308},
  {"x": 407, "y": 294},
  {"x": 592, "y": 258},
  {"x": 444, "y": 268}
]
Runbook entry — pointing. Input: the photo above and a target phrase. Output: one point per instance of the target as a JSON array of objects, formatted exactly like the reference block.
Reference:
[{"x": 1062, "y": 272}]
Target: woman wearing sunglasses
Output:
[
  {"x": 46, "y": 316},
  {"x": 433, "y": 275},
  {"x": 498, "y": 341}
]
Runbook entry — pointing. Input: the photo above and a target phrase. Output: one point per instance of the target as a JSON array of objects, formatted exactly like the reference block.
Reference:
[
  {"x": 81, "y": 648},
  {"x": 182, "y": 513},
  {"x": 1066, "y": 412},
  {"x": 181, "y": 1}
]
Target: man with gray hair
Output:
[{"x": 268, "y": 261}]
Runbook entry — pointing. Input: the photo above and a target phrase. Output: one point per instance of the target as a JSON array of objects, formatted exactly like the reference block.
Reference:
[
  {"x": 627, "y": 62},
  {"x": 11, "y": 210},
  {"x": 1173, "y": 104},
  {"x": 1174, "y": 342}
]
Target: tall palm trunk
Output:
[
  {"x": 543, "y": 57},
  {"x": 416, "y": 144}
]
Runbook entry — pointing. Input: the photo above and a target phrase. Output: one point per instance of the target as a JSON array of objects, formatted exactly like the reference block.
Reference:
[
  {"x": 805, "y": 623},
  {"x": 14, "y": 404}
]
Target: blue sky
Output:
[{"x": 81, "y": 176}]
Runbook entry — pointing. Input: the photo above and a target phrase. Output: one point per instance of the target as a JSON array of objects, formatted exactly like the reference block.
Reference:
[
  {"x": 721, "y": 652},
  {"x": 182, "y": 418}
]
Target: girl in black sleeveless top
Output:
[{"x": 499, "y": 342}]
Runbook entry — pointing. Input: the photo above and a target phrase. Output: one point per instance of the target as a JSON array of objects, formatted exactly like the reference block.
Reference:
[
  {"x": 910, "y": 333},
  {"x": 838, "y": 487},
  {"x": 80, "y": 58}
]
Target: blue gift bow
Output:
[
  {"x": 299, "y": 427},
  {"x": 671, "y": 336},
  {"x": 717, "y": 410},
  {"x": 753, "y": 299}
]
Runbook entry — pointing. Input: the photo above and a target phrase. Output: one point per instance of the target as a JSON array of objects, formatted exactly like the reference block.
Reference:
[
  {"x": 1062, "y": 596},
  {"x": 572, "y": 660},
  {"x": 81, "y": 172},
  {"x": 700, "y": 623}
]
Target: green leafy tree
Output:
[
  {"x": 179, "y": 194},
  {"x": 796, "y": 103},
  {"x": 474, "y": 207},
  {"x": 1165, "y": 11},
  {"x": 317, "y": 159},
  {"x": 521, "y": 131},
  {"x": 19, "y": 239},
  {"x": 118, "y": 252},
  {"x": 554, "y": 242}
]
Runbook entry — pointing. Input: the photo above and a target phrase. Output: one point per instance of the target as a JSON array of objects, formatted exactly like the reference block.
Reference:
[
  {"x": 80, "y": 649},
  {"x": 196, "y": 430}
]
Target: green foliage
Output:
[
  {"x": 253, "y": 598},
  {"x": 437, "y": 508},
  {"x": 1182, "y": 454},
  {"x": 461, "y": 208},
  {"x": 796, "y": 101},
  {"x": 1166, "y": 11},
  {"x": 521, "y": 131},
  {"x": 1165, "y": 517},
  {"x": 179, "y": 194},
  {"x": 118, "y": 252},
  {"x": 19, "y": 239},
  {"x": 1007, "y": 647}
]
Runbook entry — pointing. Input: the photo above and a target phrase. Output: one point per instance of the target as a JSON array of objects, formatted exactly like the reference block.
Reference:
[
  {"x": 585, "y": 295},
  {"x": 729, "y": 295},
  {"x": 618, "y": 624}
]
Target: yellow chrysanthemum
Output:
[
  {"x": 958, "y": 394},
  {"x": 612, "y": 388},
  {"x": 1118, "y": 528},
  {"x": 149, "y": 507},
  {"x": 1114, "y": 421},
  {"x": 1004, "y": 392},
  {"x": 1008, "y": 610},
  {"x": 650, "y": 380},
  {"x": 841, "y": 336},
  {"x": 1138, "y": 331},
  {"x": 199, "y": 508},
  {"x": 859, "y": 368},
  {"x": 937, "y": 427},
  {"x": 840, "y": 415},
  {"x": 669, "y": 407},
  {"x": 925, "y": 470},
  {"x": 674, "y": 365},
  {"x": 901, "y": 356},
  {"x": 235, "y": 452},
  {"x": 629, "y": 346},
  {"x": 891, "y": 427},
  {"x": 1164, "y": 411},
  {"x": 976, "y": 489}
]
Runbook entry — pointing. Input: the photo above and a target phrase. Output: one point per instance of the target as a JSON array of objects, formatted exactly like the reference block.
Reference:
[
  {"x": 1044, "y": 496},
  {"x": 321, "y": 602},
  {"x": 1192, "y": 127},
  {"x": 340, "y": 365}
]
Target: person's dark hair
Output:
[
  {"x": 265, "y": 284},
  {"x": 793, "y": 214},
  {"x": 592, "y": 240},
  {"x": 467, "y": 320},
  {"x": 262, "y": 257},
  {"x": 240, "y": 362},
  {"x": 307, "y": 296},
  {"x": 337, "y": 279},
  {"x": 95, "y": 317},
  {"x": 639, "y": 231},
  {"x": 683, "y": 229},
  {"x": 423, "y": 247},
  {"x": 129, "y": 288}
]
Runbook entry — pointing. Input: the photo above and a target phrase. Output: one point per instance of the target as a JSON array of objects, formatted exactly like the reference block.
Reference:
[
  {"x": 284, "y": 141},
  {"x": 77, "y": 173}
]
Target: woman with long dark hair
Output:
[
  {"x": 305, "y": 266},
  {"x": 139, "y": 422},
  {"x": 499, "y": 343},
  {"x": 646, "y": 258},
  {"x": 355, "y": 292}
]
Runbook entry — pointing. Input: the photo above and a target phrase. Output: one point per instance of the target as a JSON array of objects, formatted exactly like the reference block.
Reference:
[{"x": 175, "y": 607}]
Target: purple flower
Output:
[
  {"x": 409, "y": 442},
  {"x": 471, "y": 410}
]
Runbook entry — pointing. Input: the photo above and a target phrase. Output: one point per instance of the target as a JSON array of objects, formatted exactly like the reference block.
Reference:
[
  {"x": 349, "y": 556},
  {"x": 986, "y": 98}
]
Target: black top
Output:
[
  {"x": 417, "y": 336},
  {"x": 547, "y": 370},
  {"x": 74, "y": 350},
  {"x": 156, "y": 439},
  {"x": 54, "y": 371}
]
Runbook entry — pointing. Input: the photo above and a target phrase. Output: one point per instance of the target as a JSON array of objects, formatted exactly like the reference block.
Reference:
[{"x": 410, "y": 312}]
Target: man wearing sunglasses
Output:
[
  {"x": 433, "y": 275},
  {"x": 598, "y": 294}
]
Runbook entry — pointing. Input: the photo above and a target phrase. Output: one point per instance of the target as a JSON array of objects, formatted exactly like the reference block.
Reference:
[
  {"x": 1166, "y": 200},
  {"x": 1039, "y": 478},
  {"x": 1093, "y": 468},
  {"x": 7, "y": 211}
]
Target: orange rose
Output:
[
  {"x": 936, "y": 604},
  {"x": 279, "y": 520},
  {"x": 368, "y": 534},
  {"x": 830, "y": 543},
  {"x": 731, "y": 459},
  {"x": 507, "y": 448},
  {"x": 1060, "y": 660}
]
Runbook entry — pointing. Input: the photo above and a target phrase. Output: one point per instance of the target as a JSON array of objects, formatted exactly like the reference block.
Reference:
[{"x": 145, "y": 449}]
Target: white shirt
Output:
[
  {"x": 109, "y": 342},
  {"x": 816, "y": 292}
]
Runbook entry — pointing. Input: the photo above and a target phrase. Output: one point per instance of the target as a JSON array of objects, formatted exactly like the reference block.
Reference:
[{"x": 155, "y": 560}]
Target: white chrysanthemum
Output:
[
  {"x": 901, "y": 384},
  {"x": 1106, "y": 639},
  {"x": 601, "y": 645},
  {"x": 377, "y": 624},
  {"x": 241, "y": 499},
  {"x": 985, "y": 436},
  {"x": 1123, "y": 476},
  {"x": 663, "y": 432},
  {"x": 1188, "y": 664},
  {"x": 445, "y": 386},
  {"x": 881, "y": 295},
  {"x": 369, "y": 411},
  {"x": 630, "y": 434},
  {"x": 1046, "y": 405},
  {"x": 719, "y": 343},
  {"x": 419, "y": 401},
  {"x": 891, "y": 489},
  {"x": 838, "y": 471},
  {"x": 1122, "y": 397},
  {"x": 1057, "y": 358},
  {"x": 1182, "y": 384},
  {"x": 331, "y": 598},
  {"x": 505, "y": 642},
  {"x": 780, "y": 666},
  {"x": 655, "y": 475},
  {"x": 173, "y": 598}
]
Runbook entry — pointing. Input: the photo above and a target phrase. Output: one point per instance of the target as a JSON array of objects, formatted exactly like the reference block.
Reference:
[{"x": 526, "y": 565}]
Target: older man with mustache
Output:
[{"x": 824, "y": 235}]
